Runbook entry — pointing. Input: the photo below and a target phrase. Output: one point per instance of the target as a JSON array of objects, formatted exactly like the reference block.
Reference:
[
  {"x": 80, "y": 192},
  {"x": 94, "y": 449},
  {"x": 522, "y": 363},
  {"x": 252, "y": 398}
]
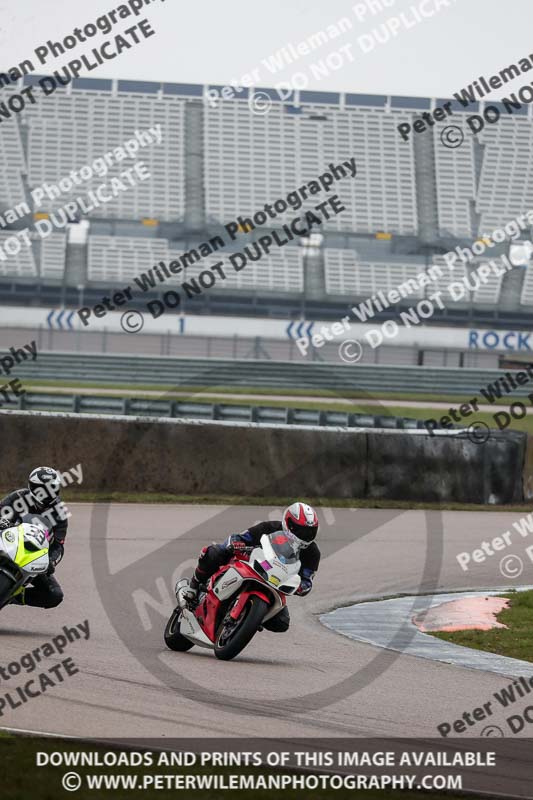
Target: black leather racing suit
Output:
[
  {"x": 45, "y": 590},
  {"x": 216, "y": 555}
]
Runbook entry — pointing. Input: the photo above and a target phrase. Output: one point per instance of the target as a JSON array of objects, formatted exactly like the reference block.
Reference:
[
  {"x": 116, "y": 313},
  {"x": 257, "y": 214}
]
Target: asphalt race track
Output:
[{"x": 308, "y": 682}]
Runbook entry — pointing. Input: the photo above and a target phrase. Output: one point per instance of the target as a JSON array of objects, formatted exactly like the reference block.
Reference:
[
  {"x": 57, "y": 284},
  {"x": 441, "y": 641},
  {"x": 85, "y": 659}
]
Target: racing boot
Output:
[
  {"x": 19, "y": 598},
  {"x": 192, "y": 591}
]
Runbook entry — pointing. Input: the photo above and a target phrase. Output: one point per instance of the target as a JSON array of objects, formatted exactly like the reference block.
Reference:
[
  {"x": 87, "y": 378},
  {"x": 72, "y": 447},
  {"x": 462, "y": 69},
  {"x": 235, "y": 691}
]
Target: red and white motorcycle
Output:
[{"x": 240, "y": 597}]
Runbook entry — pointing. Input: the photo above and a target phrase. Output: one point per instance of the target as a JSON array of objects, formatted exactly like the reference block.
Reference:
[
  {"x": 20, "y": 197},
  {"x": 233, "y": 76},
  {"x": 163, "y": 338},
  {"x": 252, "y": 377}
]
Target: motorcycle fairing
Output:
[{"x": 25, "y": 548}]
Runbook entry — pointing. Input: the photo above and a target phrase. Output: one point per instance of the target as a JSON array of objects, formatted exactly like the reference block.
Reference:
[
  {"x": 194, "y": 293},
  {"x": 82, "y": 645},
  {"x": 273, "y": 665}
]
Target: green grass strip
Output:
[{"x": 515, "y": 641}]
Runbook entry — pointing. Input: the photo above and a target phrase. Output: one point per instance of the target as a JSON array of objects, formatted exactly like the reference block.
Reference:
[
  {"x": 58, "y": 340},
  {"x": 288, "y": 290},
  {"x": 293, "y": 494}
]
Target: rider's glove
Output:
[
  {"x": 238, "y": 545},
  {"x": 306, "y": 583},
  {"x": 239, "y": 549},
  {"x": 55, "y": 554}
]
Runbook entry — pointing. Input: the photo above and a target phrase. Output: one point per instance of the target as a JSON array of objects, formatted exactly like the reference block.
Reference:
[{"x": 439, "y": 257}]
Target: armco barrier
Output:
[
  {"x": 205, "y": 373},
  {"x": 190, "y": 409},
  {"x": 246, "y": 459}
]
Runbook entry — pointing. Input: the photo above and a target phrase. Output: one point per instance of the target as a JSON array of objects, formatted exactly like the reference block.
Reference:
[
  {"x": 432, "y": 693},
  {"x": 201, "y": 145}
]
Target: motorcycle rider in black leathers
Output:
[
  {"x": 300, "y": 520},
  {"x": 40, "y": 498}
]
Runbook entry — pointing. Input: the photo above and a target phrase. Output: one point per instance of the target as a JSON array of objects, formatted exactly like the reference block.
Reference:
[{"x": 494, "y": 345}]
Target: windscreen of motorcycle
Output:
[{"x": 285, "y": 546}]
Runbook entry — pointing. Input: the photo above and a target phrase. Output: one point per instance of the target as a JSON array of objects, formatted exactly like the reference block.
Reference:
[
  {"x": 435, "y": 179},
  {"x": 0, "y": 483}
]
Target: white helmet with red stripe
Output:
[{"x": 301, "y": 520}]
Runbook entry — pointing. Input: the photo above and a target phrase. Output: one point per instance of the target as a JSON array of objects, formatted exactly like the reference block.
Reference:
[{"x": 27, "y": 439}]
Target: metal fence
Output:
[
  {"x": 363, "y": 379},
  {"x": 235, "y": 347},
  {"x": 157, "y": 407}
]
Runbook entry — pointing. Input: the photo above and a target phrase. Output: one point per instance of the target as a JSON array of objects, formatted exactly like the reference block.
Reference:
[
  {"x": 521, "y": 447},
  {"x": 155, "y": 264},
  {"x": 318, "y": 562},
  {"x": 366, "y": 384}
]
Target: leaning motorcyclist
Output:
[
  {"x": 300, "y": 520},
  {"x": 42, "y": 499}
]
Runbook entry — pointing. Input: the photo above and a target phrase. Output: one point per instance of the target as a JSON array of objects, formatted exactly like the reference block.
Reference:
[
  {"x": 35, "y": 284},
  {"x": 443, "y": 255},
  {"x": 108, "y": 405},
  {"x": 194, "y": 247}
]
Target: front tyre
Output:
[
  {"x": 7, "y": 585},
  {"x": 234, "y": 635},
  {"x": 174, "y": 640}
]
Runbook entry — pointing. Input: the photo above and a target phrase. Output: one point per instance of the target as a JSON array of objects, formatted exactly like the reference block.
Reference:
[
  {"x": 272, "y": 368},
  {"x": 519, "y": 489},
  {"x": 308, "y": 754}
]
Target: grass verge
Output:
[
  {"x": 515, "y": 641},
  {"x": 104, "y": 496},
  {"x": 358, "y": 405},
  {"x": 195, "y": 391}
]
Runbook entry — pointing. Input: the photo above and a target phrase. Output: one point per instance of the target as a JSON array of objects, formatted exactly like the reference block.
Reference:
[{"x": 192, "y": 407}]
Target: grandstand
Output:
[
  {"x": 119, "y": 259},
  {"x": 409, "y": 203},
  {"x": 346, "y": 274}
]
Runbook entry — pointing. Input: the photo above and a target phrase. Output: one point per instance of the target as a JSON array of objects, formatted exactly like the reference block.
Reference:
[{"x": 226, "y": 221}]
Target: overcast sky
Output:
[{"x": 206, "y": 41}]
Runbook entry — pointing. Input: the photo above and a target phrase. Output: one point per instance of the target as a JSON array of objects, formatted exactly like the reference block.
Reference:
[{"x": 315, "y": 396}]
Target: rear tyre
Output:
[
  {"x": 232, "y": 637},
  {"x": 173, "y": 638}
]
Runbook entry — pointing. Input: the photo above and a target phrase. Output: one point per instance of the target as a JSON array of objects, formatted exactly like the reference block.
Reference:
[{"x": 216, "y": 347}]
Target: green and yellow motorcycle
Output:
[{"x": 23, "y": 556}]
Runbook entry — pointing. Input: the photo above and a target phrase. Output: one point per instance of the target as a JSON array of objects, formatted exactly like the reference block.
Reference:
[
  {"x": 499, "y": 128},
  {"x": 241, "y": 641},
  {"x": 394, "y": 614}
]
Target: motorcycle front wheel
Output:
[
  {"x": 173, "y": 638},
  {"x": 7, "y": 585},
  {"x": 234, "y": 635}
]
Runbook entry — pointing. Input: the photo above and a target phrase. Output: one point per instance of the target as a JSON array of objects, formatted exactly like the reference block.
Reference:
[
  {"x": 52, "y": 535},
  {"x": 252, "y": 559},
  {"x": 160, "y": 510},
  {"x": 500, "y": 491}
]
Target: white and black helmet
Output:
[{"x": 44, "y": 484}]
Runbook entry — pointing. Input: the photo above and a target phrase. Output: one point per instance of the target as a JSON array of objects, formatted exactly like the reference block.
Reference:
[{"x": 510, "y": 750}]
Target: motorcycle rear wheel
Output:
[
  {"x": 251, "y": 618},
  {"x": 174, "y": 640}
]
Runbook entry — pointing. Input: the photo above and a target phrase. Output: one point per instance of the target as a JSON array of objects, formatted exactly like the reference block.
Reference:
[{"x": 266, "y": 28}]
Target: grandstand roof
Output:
[{"x": 195, "y": 90}]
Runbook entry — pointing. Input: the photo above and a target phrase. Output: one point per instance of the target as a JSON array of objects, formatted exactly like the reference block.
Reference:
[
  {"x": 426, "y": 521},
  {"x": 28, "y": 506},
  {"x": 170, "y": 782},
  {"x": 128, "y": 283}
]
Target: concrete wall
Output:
[
  {"x": 528, "y": 470},
  {"x": 446, "y": 467},
  {"x": 197, "y": 457}
]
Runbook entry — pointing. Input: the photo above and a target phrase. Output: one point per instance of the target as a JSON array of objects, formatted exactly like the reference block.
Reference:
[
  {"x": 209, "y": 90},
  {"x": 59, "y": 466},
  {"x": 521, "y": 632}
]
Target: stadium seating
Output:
[
  {"x": 506, "y": 181},
  {"x": 526, "y": 298},
  {"x": 119, "y": 259},
  {"x": 71, "y": 130},
  {"x": 280, "y": 271},
  {"x": 347, "y": 274},
  {"x": 250, "y": 159},
  {"x": 12, "y": 163},
  {"x": 489, "y": 291},
  {"x": 21, "y": 265}
]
